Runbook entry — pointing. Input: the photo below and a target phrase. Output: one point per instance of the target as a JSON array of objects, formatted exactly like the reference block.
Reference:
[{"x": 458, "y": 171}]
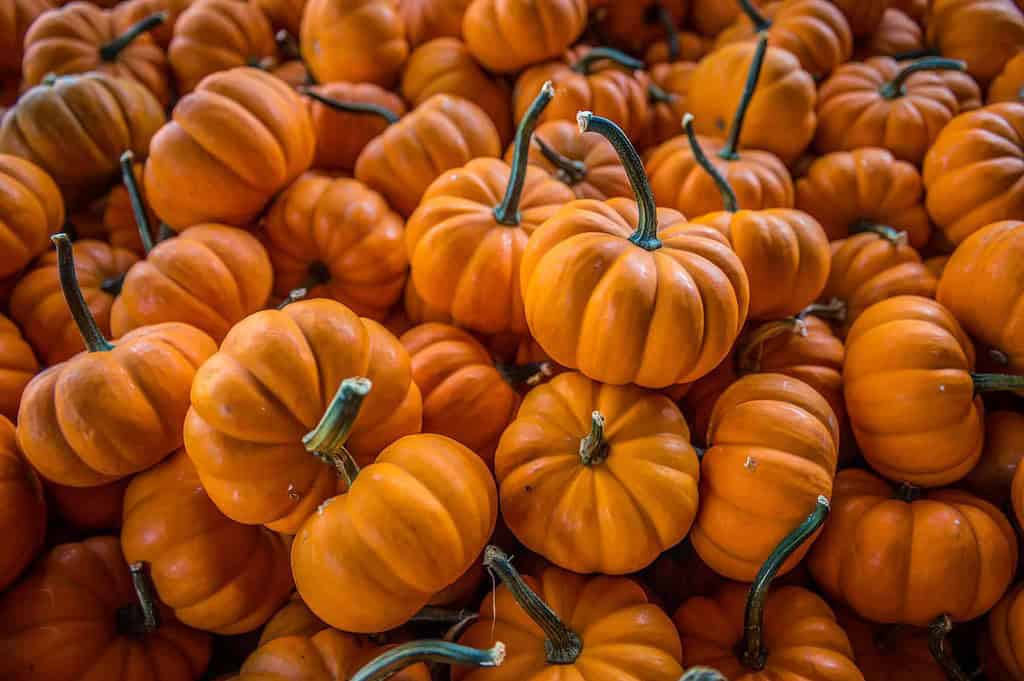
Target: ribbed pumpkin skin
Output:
[
  {"x": 341, "y": 136},
  {"x": 1006, "y": 631},
  {"x": 17, "y": 367},
  {"x": 22, "y": 508},
  {"x": 894, "y": 561},
  {"x": 896, "y": 34},
  {"x": 30, "y": 211},
  {"x": 118, "y": 218},
  {"x": 129, "y": 12},
  {"x": 966, "y": 30},
  {"x": 496, "y": 31},
  {"x": 864, "y": 16},
  {"x": 353, "y": 40},
  {"x": 674, "y": 79},
  {"x": 15, "y": 20},
  {"x": 428, "y": 19},
  {"x": 887, "y": 653}
]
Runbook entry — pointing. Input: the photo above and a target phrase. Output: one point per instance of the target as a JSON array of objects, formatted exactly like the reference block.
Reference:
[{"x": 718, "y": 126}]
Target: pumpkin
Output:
[
  {"x": 353, "y": 40},
  {"x": 877, "y": 534},
  {"x": 506, "y": 35},
  {"x": 81, "y": 37},
  {"x": 76, "y": 127},
  {"x": 440, "y": 134},
  {"x": 428, "y": 19},
  {"x": 897, "y": 34},
  {"x": 440, "y": 500},
  {"x": 23, "y": 514},
  {"x": 1008, "y": 86},
  {"x": 915, "y": 9},
  {"x": 246, "y": 443},
  {"x": 1017, "y": 496},
  {"x": 338, "y": 239},
  {"x": 217, "y": 35},
  {"x": 847, "y": 190},
  {"x": 606, "y": 257},
  {"x": 37, "y": 302},
  {"x": 773, "y": 450},
  {"x": 82, "y": 613},
  {"x": 864, "y": 16},
  {"x": 130, "y": 12},
  {"x": 634, "y": 25},
  {"x": 418, "y": 310},
  {"x": 781, "y": 97},
  {"x": 711, "y": 17},
  {"x": 118, "y": 218},
  {"x": 14, "y": 23},
  {"x": 32, "y": 209},
  {"x": 677, "y": 47},
  {"x": 216, "y": 574},
  {"x": 667, "y": 100},
  {"x": 90, "y": 508},
  {"x": 881, "y": 103},
  {"x": 1006, "y": 631},
  {"x": 891, "y": 652},
  {"x": 284, "y": 14},
  {"x": 240, "y": 137},
  {"x": 346, "y": 117},
  {"x": 597, "y": 478},
  {"x": 561, "y": 623},
  {"x": 965, "y": 89},
  {"x": 445, "y": 66},
  {"x": 814, "y": 31},
  {"x": 17, "y": 367},
  {"x": 293, "y": 72},
  {"x": 293, "y": 619},
  {"x": 965, "y": 29}
]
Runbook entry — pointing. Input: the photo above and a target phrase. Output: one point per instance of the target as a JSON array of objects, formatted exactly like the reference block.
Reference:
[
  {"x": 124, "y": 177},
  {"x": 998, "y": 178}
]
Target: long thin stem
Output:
[
  {"x": 594, "y": 448},
  {"x": 894, "y": 88},
  {"x": 143, "y": 616},
  {"x": 109, "y": 51},
  {"x": 570, "y": 171},
  {"x": 754, "y": 655},
  {"x": 751, "y": 348},
  {"x": 80, "y": 312},
  {"x": 937, "y": 632},
  {"x": 724, "y": 188},
  {"x": 507, "y": 212},
  {"x": 833, "y": 310},
  {"x": 646, "y": 234},
  {"x": 664, "y": 18},
  {"x": 398, "y": 658},
  {"x": 431, "y": 614},
  {"x": 562, "y": 645},
  {"x": 728, "y": 152},
  {"x": 896, "y": 237},
  {"x": 760, "y": 22},
  {"x": 327, "y": 440},
  {"x": 352, "y": 107},
  {"x": 135, "y": 196},
  {"x": 988, "y": 383},
  {"x": 585, "y": 63}
]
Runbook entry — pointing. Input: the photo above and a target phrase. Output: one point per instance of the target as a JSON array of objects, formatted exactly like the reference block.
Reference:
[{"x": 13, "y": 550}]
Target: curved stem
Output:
[
  {"x": 594, "y": 448},
  {"x": 317, "y": 274},
  {"x": 562, "y": 645},
  {"x": 937, "y": 632},
  {"x": 507, "y": 212},
  {"x": 569, "y": 171},
  {"x": 760, "y": 22},
  {"x": 664, "y": 17},
  {"x": 834, "y": 310},
  {"x": 728, "y": 152},
  {"x": 894, "y": 88},
  {"x": 988, "y": 383},
  {"x": 327, "y": 440},
  {"x": 431, "y": 614},
  {"x": 751, "y": 348},
  {"x": 143, "y": 616},
  {"x": 398, "y": 658},
  {"x": 294, "y": 296},
  {"x": 702, "y": 674},
  {"x": 80, "y": 312},
  {"x": 109, "y": 51},
  {"x": 352, "y": 107},
  {"x": 585, "y": 63},
  {"x": 138, "y": 210},
  {"x": 907, "y": 493},
  {"x": 896, "y": 237},
  {"x": 658, "y": 95},
  {"x": 525, "y": 374},
  {"x": 646, "y": 234},
  {"x": 728, "y": 195},
  {"x": 754, "y": 655}
]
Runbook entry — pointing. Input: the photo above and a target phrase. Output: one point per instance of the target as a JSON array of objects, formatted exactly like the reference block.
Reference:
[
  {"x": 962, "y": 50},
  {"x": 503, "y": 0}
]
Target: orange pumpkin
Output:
[
  {"x": 284, "y": 14},
  {"x": 90, "y": 508},
  {"x": 579, "y": 450},
  {"x": 15, "y": 20},
  {"x": 1006, "y": 631},
  {"x": 293, "y": 619},
  {"x": 118, "y": 217},
  {"x": 130, "y": 12},
  {"x": 247, "y": 444},
  {"x": 418, "y": 310},
  {"x": 506, "y": 35},
  {"x": 1017, "y": 496},
  {"x": 428, "y": 19},
  {"x": 17, "y": 367},
  {"x": 711, "y": 17},
  {"x": 1008, "y": 86},
  {"x": 23, "y": 514},
  {"x": 677, "y": 47},
  {"x": 865, "y": 16},
  {"x": 965, "y": 89},
  {"x": 864, "y": 557},
  {"x": 667, "y": 100},
  {"x": 634, "y": 25},
  {"x": 82, "y": 614},
  {"x": 915, "y": 9},
  {"x": 965, "y": 29},
  {"x": 240, "y": 137},
  {"x": 607, "y": 257},
  {"x": 891, "y": 652},
  {"x": 346, "y": 117},
  {"x": 31, "y": 210},
  {"x": 353, "y": 40},
  {"x": 338, "y": 239},
  {"x": 897, "y": 34}
]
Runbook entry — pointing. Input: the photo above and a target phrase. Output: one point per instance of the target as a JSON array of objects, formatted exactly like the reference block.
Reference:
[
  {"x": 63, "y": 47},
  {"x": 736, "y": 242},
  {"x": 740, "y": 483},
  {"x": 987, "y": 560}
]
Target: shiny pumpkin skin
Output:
[
  {"x": 428, "y": 19},
  {"x": 984, "y": 33},
  {"x": 60, "y": 624},
  {"x": 1006, "y": 631},
  {"x": 341, "y": 136},
  {"x": 871, "y": 551},
  {"x": 886, "y": 652},
  {"x": 853, "y": 113},
  {"x": 623, "y": 633},
  {"x": 1009, "y": 84},
  {"x": 245, "y": 440},
  {"x": 345, "y": 227},
  {"x": 209, "y": 276},
  {"x": 217, "y": 575},
  {"x": 896, "y": 34},
  {"x": 466, "y": 262},
  {"x": 38, "y": 307},
  {"x": 31, "y": 209},
  {"x": 613, "y": 516},
  {"x": 90, "y": 508},
  {"x": 801, "y": 636},
  {"x": 22, "y": 508},
  {"x": 61, "y": 127},
  {"x": 15, "y": 20},
  {"x": 240, "y": 137},
  {"x": 784, "y": 99},
  {"x": 353, "y": 40},
  {"x": 773, "y": 450},
  {"x": 17, "y": 367},
  {"x": 442, "y": 133},
  {"x": 663, "y": 120},
  {"x": 581, "y": 260},
  {"x": 465, "y": 396},
  {"x": 427, "y": 496},
  {"x": 217, "y": 35},
  {"x": 494, "y": 31}
]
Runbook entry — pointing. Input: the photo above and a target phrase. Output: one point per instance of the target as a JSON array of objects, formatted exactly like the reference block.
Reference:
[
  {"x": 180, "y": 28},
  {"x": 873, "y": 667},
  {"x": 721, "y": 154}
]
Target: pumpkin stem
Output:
[
  {"x": 80, "y": 312},
  {"x": 917, "y": 54},
  {"x": 568, "y": 170},
  {"x": 562, "y": 644},
  {"x": 894, "y": 88},
  {"x": 431, "y": 614},
  {"x": 164, "y": 232},
  {"x": 287, "y": 45},
  {"x": 143, "y": 616},
  {"x": 657, "y": 95},
  {"x": 751, "y": 348},
  {"x": 999, "y": 357},
  {"x": 294, "y": 296},
  {"x": 135, "y": 196},
  {"x": 664, "y": 17},
  {"x": 388, "y": 664},
  {"x": 897, "y": 237},
  {"x": 113, "y": 285},
  {"x": 585, "y": 63},
  {"x": 316, "y": 274},
  {"x": 531, "y": 373},
  {"x": 594, "y": 448},
  {"x": 728, "y": 152},
  {"x": 327, "y": 440},
  {"x": 646, "y": 234},
  {"x": 507, "y": 212},
  {"x": 753, "y": 654},
  {"x": 937, "y": 632},
  {"x": 834, "y": 310},
  {"x": 988, "y": 383},
  {"x": 760, "y": 22},
  {"x": 907, "y": 492},
  {"x": 109, "y": 51},
  {"x": 728, "y": 195},
  {"x": 702, "y": 674},
  {"x": 351, "y": 107}
]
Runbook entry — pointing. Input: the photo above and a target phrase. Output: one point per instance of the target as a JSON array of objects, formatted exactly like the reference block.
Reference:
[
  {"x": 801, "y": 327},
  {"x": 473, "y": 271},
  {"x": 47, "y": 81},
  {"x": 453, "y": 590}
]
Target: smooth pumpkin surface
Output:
[
  {"x": 964, "y": 29},
  {"x": 353, "y": 40},
  {"x": 506, "y": 35},
  {"x": 1006, "y": 631},
  {"x": 342, "y": 135},
  {"x": 22, "y": 508},
  {"x": 1007, "y": 86},
  {"x": 31, "y": 209},
  {"x": 18, "y": 365}
]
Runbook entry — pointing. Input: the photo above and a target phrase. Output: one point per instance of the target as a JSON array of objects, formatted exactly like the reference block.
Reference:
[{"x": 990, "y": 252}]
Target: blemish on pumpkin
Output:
[{"x": 750, "y": 464}]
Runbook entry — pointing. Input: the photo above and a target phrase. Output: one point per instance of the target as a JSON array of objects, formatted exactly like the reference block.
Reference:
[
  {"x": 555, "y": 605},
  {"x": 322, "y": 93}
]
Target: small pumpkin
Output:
[
  {"x": 965, "y": 89},
  {"x": 32, "y": 209},
  {"x": 634, "y": 25},
  {"x": 711, "y": 17},
  {"x": 14, "y": 23},
  {"x": 891, "y": 652},
  {"x": 1008, "y": 86},
  {"x": 284, "y": 14},
  {"x": 90, "y": 508},
  {"x": 1006, "y": 631},
  {"x": 677, "y": 47},
  {"x": 22, "y": 508},
  {"x": 293, "y": 619},
  {"x": 428, "y": 19},
  {"x": 130, "y": 12},
  {"x": 418, "y": 310},
  {"x": 17, "y": 367},
  {"x": 346, "y": 117},
  {"x": 897, "y": 34},
  {"x": 353, "y": 40},
  {"x": 964, "y": 29},
  {"x": 507, "y": 35},
  {"x": 865, "y": 16},
  {"x": 667, "y": 100}
]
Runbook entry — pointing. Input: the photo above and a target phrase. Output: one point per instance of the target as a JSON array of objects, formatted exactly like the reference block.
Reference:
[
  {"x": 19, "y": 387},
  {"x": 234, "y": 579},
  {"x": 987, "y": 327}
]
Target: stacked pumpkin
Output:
[{"x": 708, "y": 312}]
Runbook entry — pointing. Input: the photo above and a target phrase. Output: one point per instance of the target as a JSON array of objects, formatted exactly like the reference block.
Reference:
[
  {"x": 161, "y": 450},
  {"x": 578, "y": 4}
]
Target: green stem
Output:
[
  {"x": 398, "y": 658},
  {"x": 702, "y": 674},
  {"x": 80, "y": 312},
  {"x": 430, "y": 614},
  {"x": 352, "y": 107},
  {"x": 760, "y": 22},
  {"x": 664, "y": 17},
  {"x": 327, "y": 440},
  {"x": 917, "y": 54},
  {"x": 164, "y": 232},
  {"x": 724, "y": 188},
  {"x": 507, "y": 212},
  {"x": 109, "y": 51},
  {"x": 113, "y": 285},
  {"x": 138, "y": 210},
  {"x": 907, "y": 493},
  {"x": 896, "y": 237},
  {"x": 657, "y": 95},
  {"x": 531, "y": 373},
  {"x": 568, "y": 170},
  {"x": 834, "y": 310},
  {"x": 728, "y": 152},
  {"x": 894, "y": 88},
  {"x": 585, "y": 63},
  {"x": 594, "y": 448},
  {"x": 317, "y": 274},
  {"x": 937, "y": 632},
  {"x": 646, "y": 234},
  {"x": 562, "y": 645},
  {"x": 988, "y": 383},
  {"x": 143, "y": 616},
  {"x": 753, "y": 653}
]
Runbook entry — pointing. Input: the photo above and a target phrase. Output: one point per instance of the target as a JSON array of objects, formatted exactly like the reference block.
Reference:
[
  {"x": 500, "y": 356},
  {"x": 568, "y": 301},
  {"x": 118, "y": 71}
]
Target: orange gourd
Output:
[
  {"x": 353, "y": 40},
  {"x": 667, "y": 100},
  {"x": 129, "y": 12},
  {"x": 15, "y": 20},
  {"x": 22, "y": 508},
  {"x": 634, "y": 25},
  {"x": 346, "y": 117},
  {"x": 31, "y": 210},
  {"x": 896, "y": 35},
  {"x": 677, "y": 47},
  {"x": 1006, "y": 631},
  {"x": 892, "y": 652},
  {"x": 17, "y": 367},
  {"x": 984, "y": 33},
  {"x": 507, "y": 35},
  {"x": 293, "y": 619},
  {"x": 90, "y": 508},
  {"x": 1008, "y": 86},
  {"x": 284, "y": 14},
  {"x": 428, "y": 19},
  {"x": 865, "y": 16}
]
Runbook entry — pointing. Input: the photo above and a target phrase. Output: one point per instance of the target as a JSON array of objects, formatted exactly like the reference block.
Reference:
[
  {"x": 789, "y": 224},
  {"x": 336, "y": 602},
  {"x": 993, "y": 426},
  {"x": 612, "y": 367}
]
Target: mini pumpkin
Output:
[
  {"x": 353, "y": 40},
  {"x": 1008, "y": 86},
  {"x": 130, "y": 12},
  {"x": 865, "y": 16},
  {"x": 667, "y": 100},
  {"x": 14, "y": 23},
  {"x": 346, "y": 117},
  {"x": 494, "y": 31},
  {"x": 17, "y": 367},
  {"x": 897, "y": 34},
  {"x": 891, "y": 652},
  {"x": 1006, "y": 631},
  {"x": 634, "y": 25},
  {"x": 286, "y": 14},
  {"x": 428, "y": 19},
  {"x": 22, "y": 508},
  {"x": 32, "y": 210},
  {"x": 964, "y": 29},
  {"x": 90, "y": 508},
  {"x": 677, "y": 47}
]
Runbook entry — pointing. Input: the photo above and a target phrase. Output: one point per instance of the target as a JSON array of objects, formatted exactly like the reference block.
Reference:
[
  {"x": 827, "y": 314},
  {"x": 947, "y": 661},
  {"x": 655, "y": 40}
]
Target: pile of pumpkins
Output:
[{"x": 511, "y": 340}]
